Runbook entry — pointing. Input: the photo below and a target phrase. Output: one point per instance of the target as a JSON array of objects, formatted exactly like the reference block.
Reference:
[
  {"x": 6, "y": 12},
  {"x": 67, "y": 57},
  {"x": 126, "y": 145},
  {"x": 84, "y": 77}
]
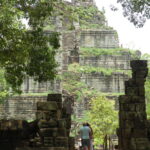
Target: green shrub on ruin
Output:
[
  {"x": 4, "y": 87},
  {"x": 77, "y": 68},
  {"x": 103, "y": 118},
  {"x": 90, "y": 51}
]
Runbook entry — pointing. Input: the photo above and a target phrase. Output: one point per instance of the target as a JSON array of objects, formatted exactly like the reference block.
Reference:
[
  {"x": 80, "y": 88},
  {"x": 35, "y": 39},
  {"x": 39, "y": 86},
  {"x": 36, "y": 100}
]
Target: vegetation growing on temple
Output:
[
  {"x": 77, "y": 68},
  {"x": 103, "y": 117},
  {"x": 90, "y": 51},
  {"x": 4, "y": 87}
]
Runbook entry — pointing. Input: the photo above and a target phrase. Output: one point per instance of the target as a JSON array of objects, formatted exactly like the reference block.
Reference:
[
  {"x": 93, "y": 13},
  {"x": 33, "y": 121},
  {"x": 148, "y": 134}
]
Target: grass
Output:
[
  {"x": 90, "y": 69},
  {"x": 86, "y": 51}
]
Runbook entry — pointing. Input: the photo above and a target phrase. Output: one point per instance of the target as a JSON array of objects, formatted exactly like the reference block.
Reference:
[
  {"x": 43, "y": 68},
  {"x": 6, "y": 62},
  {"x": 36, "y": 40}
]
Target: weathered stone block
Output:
[
  {"x": 144, "y": 142},
  {"x": 59, "y": 114},
  {"x": 12, "y": 124},
  {"x": 47, "y": 115},
  {"x": 54, "y": 97},
  {"x": 47, "y": 106},
  {"x": 44, "y": 115},
  {"x": 61, "y": 123},
  {"x": 138, "y": 64},
  {"x": 140, "y": 81},
  {"x": 49, "y": 132},
  {"x": 131, "y": 91},
  {"x": 140, "y": 107},
  {"x": 137, "y": 133},
  {"x": 71, "y": 143},
  {"x": 128, "y": 124},
  {"x": 133, "y": 144},
  {"x": 124, "y": 99},
  {"x": 62, "y": 132},
  {"x": 141, "y": 91},
  {"x": 130, "y": 83},
  {"x": 47, "y": 124},
  {"x": 128, "y": 107},
  {"x": 48, "y": 140},
  {"x": 61, "y": 141},
  {"x": 68, "y": 123},
  {"x": 59, "y": 104},
  {"x": 138, "y": 99},
  {"x": 139, "y": 124},
  {"x": 142, "y": 73}
]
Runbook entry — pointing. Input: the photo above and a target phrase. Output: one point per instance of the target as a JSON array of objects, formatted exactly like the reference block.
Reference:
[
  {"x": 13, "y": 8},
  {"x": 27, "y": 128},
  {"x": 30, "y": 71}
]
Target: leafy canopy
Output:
[
  {"x": 22, "y": 52},
  {"x": 4, "y": 88},
  {"x": 102, "y": 117},
  {"x": 137, "y": 11}
]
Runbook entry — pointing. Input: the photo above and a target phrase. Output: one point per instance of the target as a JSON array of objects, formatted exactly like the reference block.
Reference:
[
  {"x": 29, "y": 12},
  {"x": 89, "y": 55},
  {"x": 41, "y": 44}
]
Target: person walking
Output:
[
  {"x": 85, "y": 132},
  {"x": 91, "y": 137}
]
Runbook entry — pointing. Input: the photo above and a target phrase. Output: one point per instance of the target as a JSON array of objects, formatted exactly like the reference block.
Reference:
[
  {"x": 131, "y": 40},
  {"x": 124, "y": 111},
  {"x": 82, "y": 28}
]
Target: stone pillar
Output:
[
  {"x": 54, "y": 123},
  {"x": 133, "y": 128}
]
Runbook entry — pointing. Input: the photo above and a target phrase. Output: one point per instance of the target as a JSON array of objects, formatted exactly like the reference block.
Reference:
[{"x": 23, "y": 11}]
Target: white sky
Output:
[{"x": 129, "y": 36}]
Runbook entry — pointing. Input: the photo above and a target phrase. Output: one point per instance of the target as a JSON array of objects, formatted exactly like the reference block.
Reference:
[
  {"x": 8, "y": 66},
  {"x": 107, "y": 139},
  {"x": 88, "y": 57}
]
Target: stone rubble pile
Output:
[
  {"x": 133, "y": 124},
  {"x": 50, "y": 130},
  {"x": 54, "y": 124}
]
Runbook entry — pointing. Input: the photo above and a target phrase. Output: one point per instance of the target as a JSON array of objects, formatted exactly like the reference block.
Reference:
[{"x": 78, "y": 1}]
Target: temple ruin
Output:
[{"x": 134, "y": 127}]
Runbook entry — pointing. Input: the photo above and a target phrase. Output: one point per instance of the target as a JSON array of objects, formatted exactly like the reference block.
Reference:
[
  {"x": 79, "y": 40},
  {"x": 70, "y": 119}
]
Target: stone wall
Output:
[
  {"x": 50, "y": 130},
  {"x": 99, "y": 39},
  {"x": 107, "y": 84},
  {"x": 31, "y": 86},
  {"x": 120, "y": 62},
  {"x": 21, "y": 107}
]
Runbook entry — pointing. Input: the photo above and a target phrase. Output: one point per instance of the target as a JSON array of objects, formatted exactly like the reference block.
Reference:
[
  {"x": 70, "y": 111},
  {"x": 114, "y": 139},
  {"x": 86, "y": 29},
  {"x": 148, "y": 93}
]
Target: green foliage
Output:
[
  {"x": 148, "y": 110},
  {"x": 102, "y": 117},
  {"x": 90, "y": 69},
  {"x": 26, "y": 52},
  {"x": 76, "y": 88},
  {"x": 88, "y": 51},
  {"x": 147, "y": 88},
  {"x": 147, "y": 85},
  {"x": 89, "y": 14},
  {"x": 4, "y": 87},
  {"x": 94, "y": 26},
  {"x": 76, "y": 124},
  {"x": 137, "y": 11},
  {"x": 145, "y": 56}
]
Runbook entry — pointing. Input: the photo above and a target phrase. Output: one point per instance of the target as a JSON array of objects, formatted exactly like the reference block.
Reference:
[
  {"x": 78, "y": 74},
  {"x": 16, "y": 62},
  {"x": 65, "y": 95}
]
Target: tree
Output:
[
  {"x": 30, "y": 53},
  {"x": 137, "y": 11},
  {"x": 4, "y": 87},
  {"x": 102, "y": 117},
  {"x": 22, "y": 52}
]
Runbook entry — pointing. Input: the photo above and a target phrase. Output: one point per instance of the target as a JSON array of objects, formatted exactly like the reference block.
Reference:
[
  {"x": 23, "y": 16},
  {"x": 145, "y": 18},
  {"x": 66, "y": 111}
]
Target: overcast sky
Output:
[{"x": 129, "y": 36}]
